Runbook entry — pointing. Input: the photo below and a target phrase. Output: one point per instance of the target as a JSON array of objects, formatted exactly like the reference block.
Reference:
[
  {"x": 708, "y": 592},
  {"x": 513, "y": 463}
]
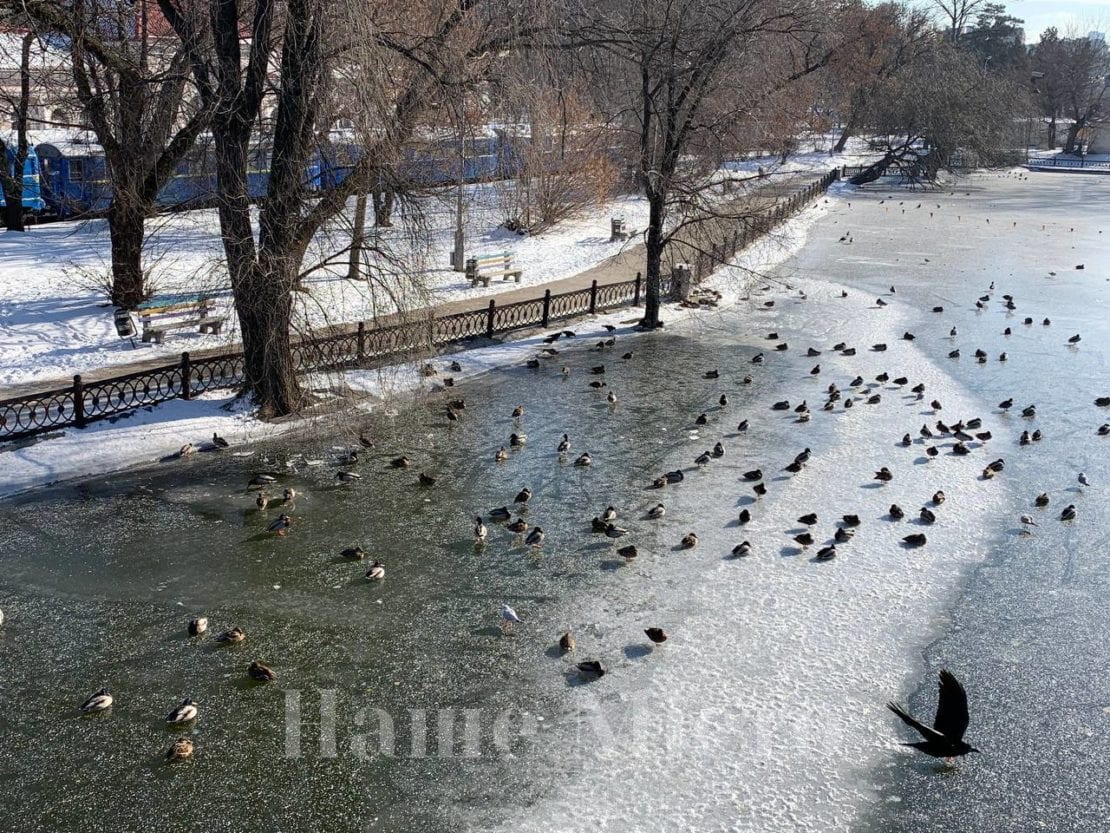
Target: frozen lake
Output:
[{"x": 764, "y": 711}]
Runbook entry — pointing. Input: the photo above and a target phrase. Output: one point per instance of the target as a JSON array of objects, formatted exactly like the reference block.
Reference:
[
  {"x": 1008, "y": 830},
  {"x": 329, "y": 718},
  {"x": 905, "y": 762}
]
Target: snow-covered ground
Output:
[
  {"x": 149, "y": 436},
  {"x": 55, "y": 320}
]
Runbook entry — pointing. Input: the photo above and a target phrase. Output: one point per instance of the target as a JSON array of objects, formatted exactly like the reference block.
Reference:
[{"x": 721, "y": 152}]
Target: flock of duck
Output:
[{"x": 960, "y": 438}]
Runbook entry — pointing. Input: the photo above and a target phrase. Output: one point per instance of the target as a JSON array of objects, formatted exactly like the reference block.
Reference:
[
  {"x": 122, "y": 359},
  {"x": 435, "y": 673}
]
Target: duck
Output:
[
  {"x": 826, "y": 553},
  {"x": 757, "y": 358},
  {"x": 288, "y": 496},
  {"x": 907, "y": 440},
  {"x": 983, "y": 436},
  {"x": 723, "y": 400},
  {"x": 711, "y": 374},
  {"x": 896, "y": 512},
  {"x": 597, "y": 385},
  {"x": 262, "y": 501},
  {"x": 932, "y": 451},
  {"x": 590, "y": 670},
  {"x": 997, "y": 465},
  {"x": 628, "y": 553},
  {"x": 219, "y": 441},
  {"x": 280, "y": 524},
  {"x": 745, "y": 517},
  {"x": 900, "y": 381},
  {"x": 808, "y": 520},
  {"x": 611, "y": 398},
  {"x": 883, "y": 475},
  {"x": 855, "y": 383},
  {"x": 1024, "y": 439},
  {"x": 376, "y": 572},
  {"x": 181, "y": 750},
  {"x": 927, "y": 515},
  {"x": 742, "y": 426},
  {"x": 1041, "y": 500},
  {"x": 566, "y": 643},
  {"x": 1037, "y": 436},
  {"x": 1029, "y": 411},
  {"x": 656, "y": 635},
  {"x": 805, "y": 539},
  {"x": 186, "y": 711},
  {"x": 501, "y": 456},
  {"x": 935, "y": 405},
  {"x": 518, "y": 527},
  {"x": 811, "y": 353},
  {"x": 517, "y": 440},
  {"x": 675, "y": 476},
  {"x": 689, "y": 540},
  {"x": 198, "y": 626},
  {"x": 960, "y": 449},
  {"x": 500, "y": 515},
  {"x": 535, "y": 538},
  {"x": 1006, "y": 404},
  {"x": 782, "y": 347},
  {"x": 703, "y": 459},
  {"x": 843, "y": 534},
  {"x": 613, "y": 531},
  {"x": 261, "y": 673},
  {"x": 1104, "y": 429},
  {"x": 261, "y": 480},
  {"x": 656, "y": 512},
  {"x": 518, "y": 411},
  {"x": 702, "y": 419},
  {"x": 1069, "y": 513},
  {"x": 794, "y": 467},
  {"x": 232, "y": 637},
  {"x": 759, "y": 489},
  {"x": 101, "y": 701},
  {"x": 598, "y": 525},
  {"x": 187, "y": 450},
  {"x": 347, "y": 477},
  {"x": 742, "y": 549},
  {"x": 599, "y": 370},
  {"x": 365, "y": 441},
  {"x": 356, "y": 553},
  {"x": 850, "y": 520},
  {"x": 908, "y": 336},
  {"x": 584, "y": 460},
  {"x": 917, "y": 539},
  {"x": 564, "y": 445},
  {"x": 754, "y": 474},
  {"x": 938, "y": 498},
  {"x": 349, "y": 459},
  {"x": 451, "y": 415},
  {"x": 426, "y": 480},
  {"x": 718, "y": 450},
  {"x": 523, "y": 496}
]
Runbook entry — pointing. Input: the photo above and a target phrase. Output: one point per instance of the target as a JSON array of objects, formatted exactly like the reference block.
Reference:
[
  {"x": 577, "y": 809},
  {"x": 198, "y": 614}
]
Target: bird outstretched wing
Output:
[
  {"x": 951, "y": 720},
  {"x": 910, "y": 720}
]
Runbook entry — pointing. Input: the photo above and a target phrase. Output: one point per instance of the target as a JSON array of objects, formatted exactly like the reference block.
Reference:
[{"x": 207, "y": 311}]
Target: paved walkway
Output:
[{"x": 620, "y": 267}]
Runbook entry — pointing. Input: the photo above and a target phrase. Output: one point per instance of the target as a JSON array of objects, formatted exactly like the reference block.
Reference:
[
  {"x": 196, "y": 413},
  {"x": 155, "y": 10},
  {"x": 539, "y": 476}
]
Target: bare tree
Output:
[
  {"x": 405, "y": 58},
  {"x": 943, "y": 108},
  {"x": 957, "y": 13},
  {"x": 1072, "y": 81},
  {"x": 11, "y": 180},
  {"x": 688, "y": 79},
  {"x": 130, "y": 77}
]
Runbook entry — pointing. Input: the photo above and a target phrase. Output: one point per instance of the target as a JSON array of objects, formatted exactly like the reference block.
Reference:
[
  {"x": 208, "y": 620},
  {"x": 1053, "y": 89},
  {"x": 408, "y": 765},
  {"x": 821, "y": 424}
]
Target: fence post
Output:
[
  {"x": 593, "y": 297},
  {"x": 636, "y": 291},
  {"x": 360, "y": 342},
  {"x": 186, "y": 377},
  {"x": 489, "y": 320},
  {"x": 79, "y": 401},
  {"x": 546, "y": 308}
]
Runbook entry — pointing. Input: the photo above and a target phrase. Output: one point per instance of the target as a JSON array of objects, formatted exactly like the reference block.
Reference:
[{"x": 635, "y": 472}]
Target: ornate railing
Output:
[{"x": 82, "y": 403}]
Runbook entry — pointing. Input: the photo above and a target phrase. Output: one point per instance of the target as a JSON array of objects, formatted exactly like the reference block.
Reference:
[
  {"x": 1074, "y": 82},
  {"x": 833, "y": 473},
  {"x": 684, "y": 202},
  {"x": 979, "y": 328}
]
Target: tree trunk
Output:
[
  {"x": 126, "y": 227},
  {"x": 357, "y": 236},
  {"x": 13, "y": 203},
  {"x": 1052, "y": 133},
  {"x": 654, "y": 246},
  {"x": 847, "y": 133},
  {"x": 1071, "y": 139},
  {"x": 383, "y": 206},
  {"x": 264, "y": 303}
]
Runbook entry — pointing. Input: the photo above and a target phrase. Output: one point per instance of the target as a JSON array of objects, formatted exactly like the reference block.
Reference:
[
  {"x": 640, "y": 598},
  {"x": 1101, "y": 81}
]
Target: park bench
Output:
[
  {"x": 484, "y": 267},
  {"x": 178, "y": 312}
]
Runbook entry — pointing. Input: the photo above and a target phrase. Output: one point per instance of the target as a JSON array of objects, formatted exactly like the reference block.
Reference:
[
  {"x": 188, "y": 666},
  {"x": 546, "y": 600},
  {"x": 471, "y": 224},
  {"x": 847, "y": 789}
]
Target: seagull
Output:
[
  {"x": 945, "y": 738},
  {"x": 1028, "y": 521},
  {"x": 1083, "y": 481}
]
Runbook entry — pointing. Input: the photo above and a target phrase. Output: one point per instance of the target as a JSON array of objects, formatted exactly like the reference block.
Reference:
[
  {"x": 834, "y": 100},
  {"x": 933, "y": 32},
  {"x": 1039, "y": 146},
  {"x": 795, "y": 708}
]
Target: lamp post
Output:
[{"x": 1034, "y": 77}]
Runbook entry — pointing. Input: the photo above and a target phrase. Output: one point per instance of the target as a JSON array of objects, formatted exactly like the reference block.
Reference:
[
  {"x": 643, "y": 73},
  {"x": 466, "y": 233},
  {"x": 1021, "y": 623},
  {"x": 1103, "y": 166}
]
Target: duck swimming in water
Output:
[
  {"x": 376, "y": 572},
  {"x": 523, "y": 496},
  {"x": 613, "y": 531},
  {"x": 181, "y": 750},
  {"x": 261, "y": 673},
  {"x": 656, "y": 512},
  {"x": 584, "y": 459},
  {"x": 355, "y": 553},
  {"x": 564, "y": 445},
  {"x": 347, "y": 477},
  {"x": 185, "y": 712},
  {"x": 517, "y": 440},
  {"x": 518, "y": 527},
  {"x": 101, "y": 701},
  {"x": 501, "y": 456},
  {"x": 198, "y": 626},
  {"x": 535, "y": 538},
  {"x": 280, "y": 525},
  {"x": 1069, "y": 513},
  {"x": 232, "y": 637}
]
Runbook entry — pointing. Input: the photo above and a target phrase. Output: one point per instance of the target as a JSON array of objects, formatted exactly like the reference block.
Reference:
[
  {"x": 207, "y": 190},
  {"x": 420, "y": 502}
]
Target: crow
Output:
[{"x": 945, "y": 739}]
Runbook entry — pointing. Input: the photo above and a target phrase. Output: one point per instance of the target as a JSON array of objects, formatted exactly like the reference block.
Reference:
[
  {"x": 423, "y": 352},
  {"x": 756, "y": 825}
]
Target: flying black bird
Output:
[{"x": 945, "y": 739}]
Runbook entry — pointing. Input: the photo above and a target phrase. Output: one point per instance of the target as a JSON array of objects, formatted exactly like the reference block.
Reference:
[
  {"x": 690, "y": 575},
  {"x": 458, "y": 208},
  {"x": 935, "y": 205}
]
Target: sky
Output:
[{"x": 1082, "y": 15}]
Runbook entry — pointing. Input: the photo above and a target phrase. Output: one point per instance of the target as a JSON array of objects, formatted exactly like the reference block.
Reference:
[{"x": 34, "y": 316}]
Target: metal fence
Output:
[
  {"x": 81, "y": 403},
  {"x": 1100, "y": 164}
]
